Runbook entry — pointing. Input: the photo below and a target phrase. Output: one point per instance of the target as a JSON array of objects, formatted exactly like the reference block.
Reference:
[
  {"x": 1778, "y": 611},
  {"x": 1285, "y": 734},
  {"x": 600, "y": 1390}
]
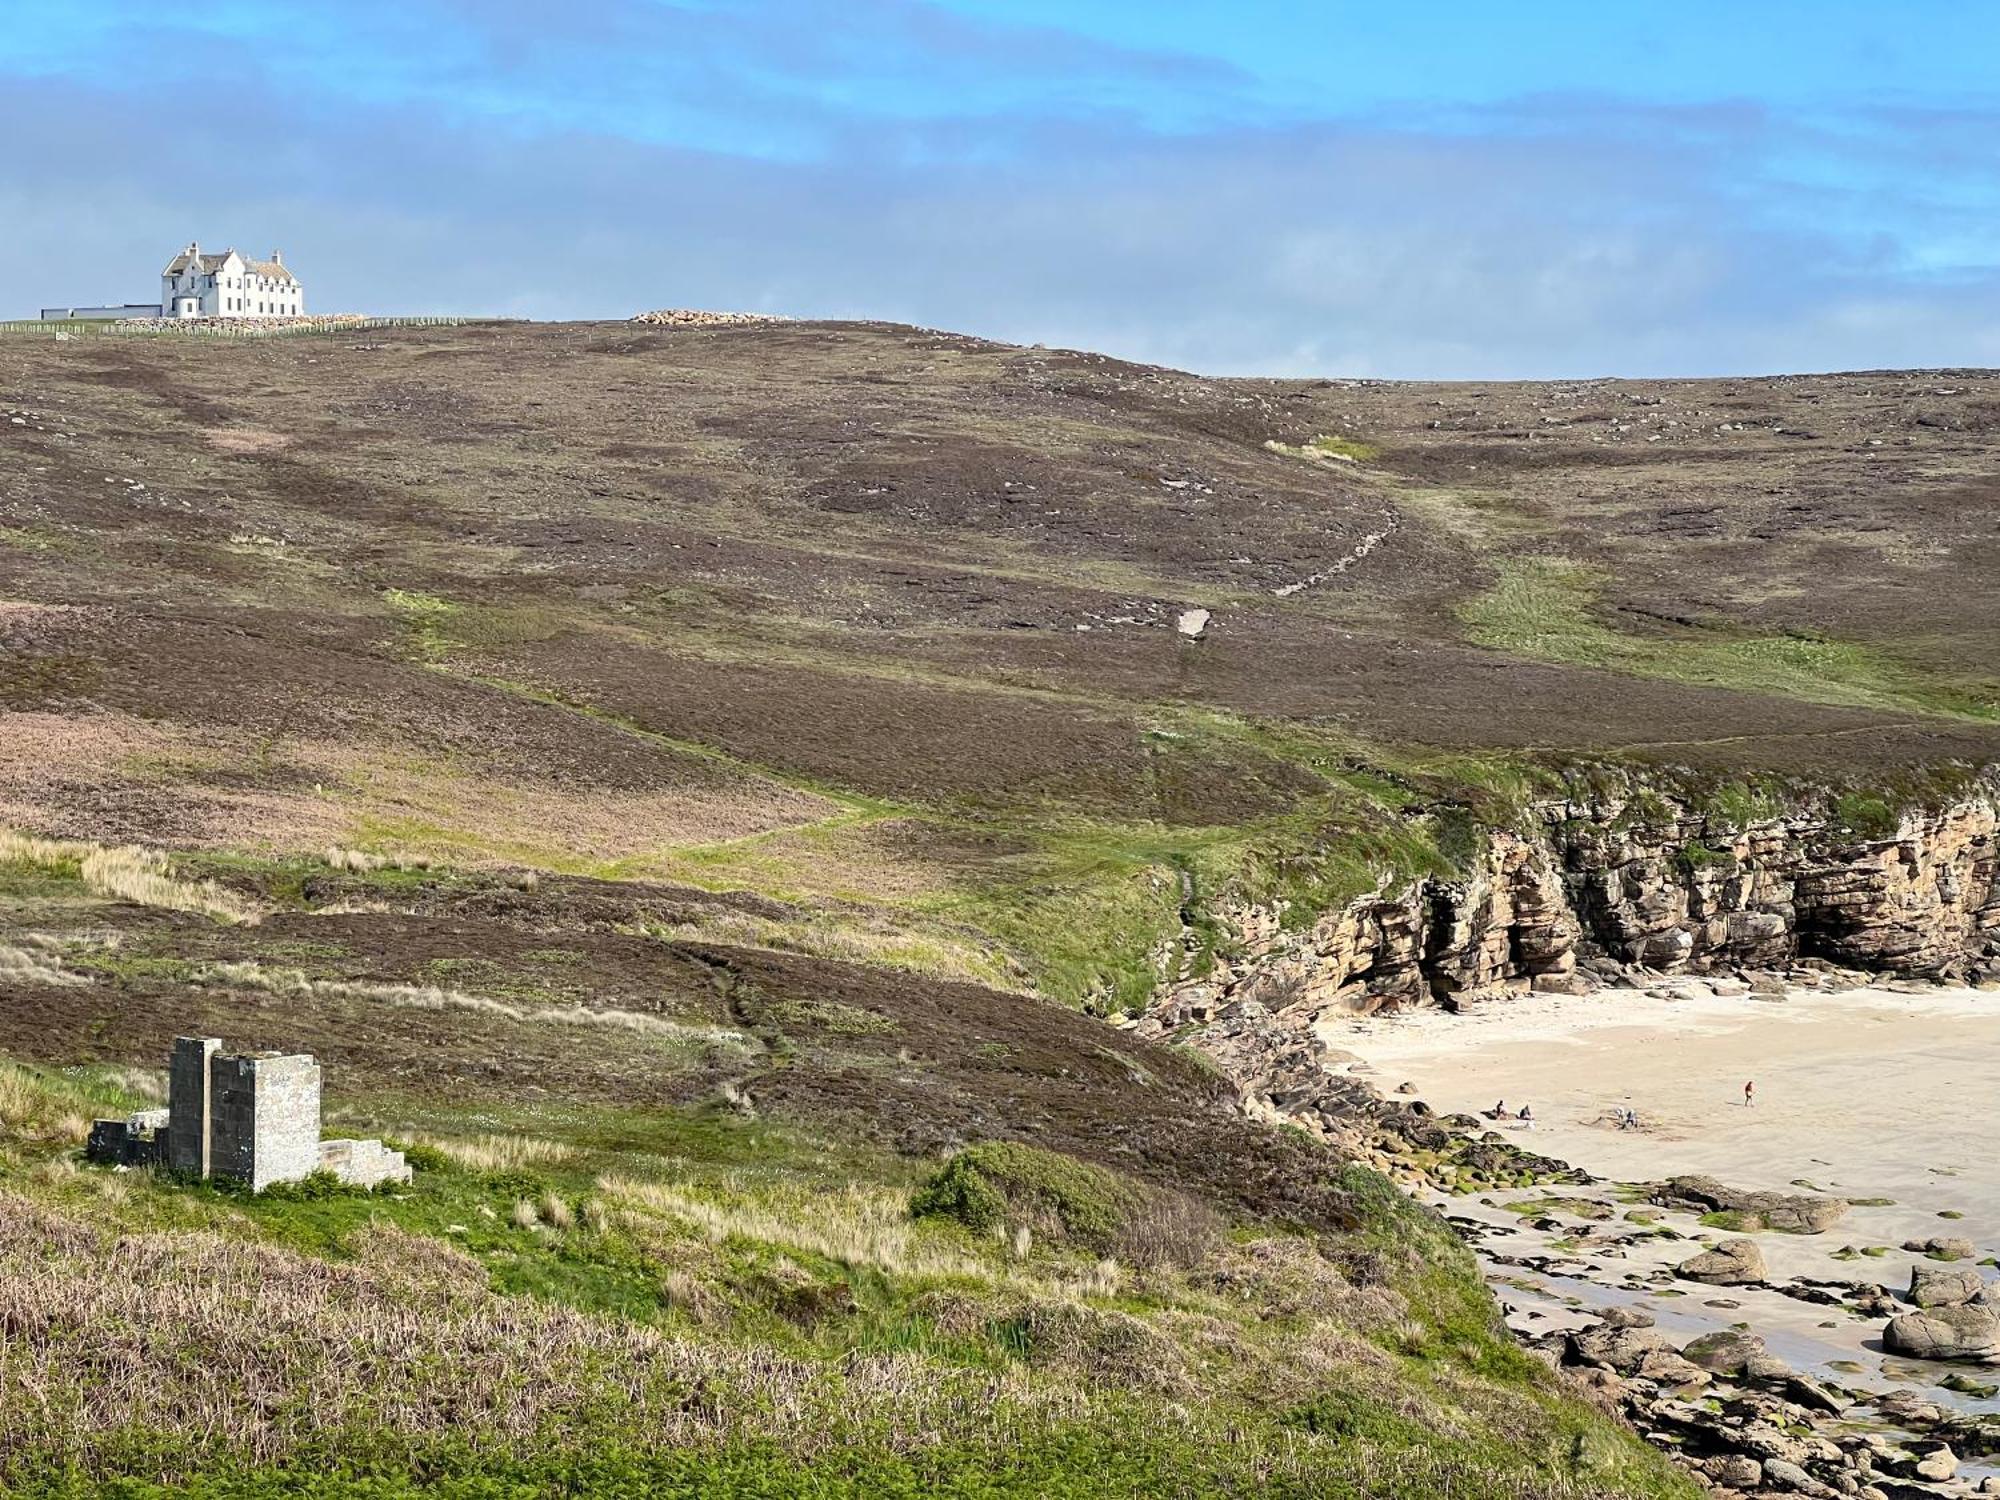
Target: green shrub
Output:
[{"x": 1004, "y": 1182}]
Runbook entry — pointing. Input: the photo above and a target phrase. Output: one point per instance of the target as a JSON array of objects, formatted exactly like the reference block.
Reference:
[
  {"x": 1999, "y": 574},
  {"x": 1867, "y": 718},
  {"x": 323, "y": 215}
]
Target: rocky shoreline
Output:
[
  {"x": 1622, "y": 884},
  {"x": 1649, "y": 1295}
]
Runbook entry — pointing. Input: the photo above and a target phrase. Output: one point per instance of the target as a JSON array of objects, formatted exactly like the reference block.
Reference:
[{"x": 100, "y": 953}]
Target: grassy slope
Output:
[
  {"x": 678, "y": 1304},
  {"x": 878, "y": 623}
]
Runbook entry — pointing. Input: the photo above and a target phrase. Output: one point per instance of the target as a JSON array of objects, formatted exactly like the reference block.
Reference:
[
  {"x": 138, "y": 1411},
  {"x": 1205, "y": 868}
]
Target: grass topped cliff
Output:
[{"x": 688, "y": 780}]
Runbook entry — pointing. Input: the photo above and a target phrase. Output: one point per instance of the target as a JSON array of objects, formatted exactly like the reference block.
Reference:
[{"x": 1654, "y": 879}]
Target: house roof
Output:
[{"x": 210, "y": 264}]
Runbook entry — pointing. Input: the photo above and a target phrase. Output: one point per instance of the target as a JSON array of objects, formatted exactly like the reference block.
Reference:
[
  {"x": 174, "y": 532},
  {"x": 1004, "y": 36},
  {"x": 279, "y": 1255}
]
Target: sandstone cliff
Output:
[{"x": 1606, "y": 886}]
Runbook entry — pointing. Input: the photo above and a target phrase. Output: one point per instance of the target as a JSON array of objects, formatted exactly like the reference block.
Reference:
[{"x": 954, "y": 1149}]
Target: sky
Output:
[{"x": 1536, "y": 189}]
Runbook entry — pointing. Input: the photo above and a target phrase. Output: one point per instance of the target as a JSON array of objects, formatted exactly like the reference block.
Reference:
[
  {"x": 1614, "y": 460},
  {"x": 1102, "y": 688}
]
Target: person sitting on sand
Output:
[
  {"x": 1499, "y": 1111},
  {"x": 1526, "y": 1117},
  {"x": 1630, "y": 1120}
]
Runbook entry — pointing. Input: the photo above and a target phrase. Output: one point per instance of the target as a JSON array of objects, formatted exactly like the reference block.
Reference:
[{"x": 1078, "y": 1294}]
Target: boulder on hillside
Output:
[
  {"x": 1945, "y": 1286},
  {"x": 1790, "y": 1213},
  {"x": 1731, "y": 1263},
  {"x": 1943, "y": 1332}
]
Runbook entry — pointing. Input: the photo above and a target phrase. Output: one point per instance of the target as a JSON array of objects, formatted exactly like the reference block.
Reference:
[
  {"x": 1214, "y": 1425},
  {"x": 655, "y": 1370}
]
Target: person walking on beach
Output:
[{"x": 1750, "y": 1095}]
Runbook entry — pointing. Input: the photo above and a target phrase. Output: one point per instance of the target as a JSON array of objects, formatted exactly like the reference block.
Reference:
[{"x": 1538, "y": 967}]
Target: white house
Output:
[
  {"x": 228, "y": 285},
  {"x": 195, "y": 285}
]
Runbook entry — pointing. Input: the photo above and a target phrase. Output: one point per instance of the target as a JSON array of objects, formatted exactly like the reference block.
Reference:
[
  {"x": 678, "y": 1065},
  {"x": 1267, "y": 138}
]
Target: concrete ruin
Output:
[{"x": 253, "y": 1117}]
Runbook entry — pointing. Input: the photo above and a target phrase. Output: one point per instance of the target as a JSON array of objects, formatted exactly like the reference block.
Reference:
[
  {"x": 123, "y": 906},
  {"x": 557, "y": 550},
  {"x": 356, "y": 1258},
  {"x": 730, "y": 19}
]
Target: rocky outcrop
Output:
[
  {"x": 1731, "y": 1263},
  {"x": 1945, "y": 1286},
  {"x": 1618, "y": 884},
  {"x": 1788, "y": 1213},
  {"x": 1943, "y": 1332}
]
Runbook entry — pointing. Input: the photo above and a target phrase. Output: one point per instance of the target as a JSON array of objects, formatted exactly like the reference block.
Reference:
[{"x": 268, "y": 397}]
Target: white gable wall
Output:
[{"x": 231, "y": 290}]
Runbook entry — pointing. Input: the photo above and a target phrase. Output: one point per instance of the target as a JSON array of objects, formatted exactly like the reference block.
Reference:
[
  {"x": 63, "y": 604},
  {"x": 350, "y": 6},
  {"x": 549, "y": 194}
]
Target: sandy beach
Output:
[{"x": 1863, "y": 1095}]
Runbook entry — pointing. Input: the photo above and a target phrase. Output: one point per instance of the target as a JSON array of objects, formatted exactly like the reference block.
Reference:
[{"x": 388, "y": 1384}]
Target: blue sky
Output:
[{"x": 1540, "y": 189}]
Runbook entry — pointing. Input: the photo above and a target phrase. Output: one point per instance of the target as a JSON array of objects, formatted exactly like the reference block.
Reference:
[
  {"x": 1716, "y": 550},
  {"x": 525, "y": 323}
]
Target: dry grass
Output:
[
  {"x": 856, "y": 1226},
  {"x": 246, "y": 439},
  {"x": 462, "y": 817},
  {"x": 250, "y": 975},
  {"x": 25, "y": 966},
  {"x": 143, "y": 877},
  {"x": 360, "y": 862},
  {"x": 34, "y": 1110},
  {"x": 500, "y": 1153}
]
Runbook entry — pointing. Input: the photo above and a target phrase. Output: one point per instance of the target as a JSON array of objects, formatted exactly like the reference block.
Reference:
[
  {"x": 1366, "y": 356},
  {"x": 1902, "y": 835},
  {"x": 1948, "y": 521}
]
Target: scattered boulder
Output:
[
  {"x": 1782, "y": 1474},
  {"x": 692, "y": 317},
  {"x": 1934, "y": 1461},
  {"x": 1666, "y": 1368},
  {"x": 1943, "y": 1332},
  {"x": 1626, "y": 1317},
  {"x": 1736, "y": 1471},
  {"x": 1731, "y": 1263},
  {"x": 1813, "y": 1396},
  {"x": 1766, "y": 1367},
  {"x": 1945, "y": 1286},
  {"x": 1619, "y": 1349},
  {"x": 1724, "y": 1352}
]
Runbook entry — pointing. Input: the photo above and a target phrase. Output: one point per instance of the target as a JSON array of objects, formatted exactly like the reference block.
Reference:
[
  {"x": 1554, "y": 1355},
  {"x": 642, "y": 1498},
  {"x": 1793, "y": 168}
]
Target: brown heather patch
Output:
[
  {"x": 16, "y": 613},
  {"x": 115, "y": 776},
  {"x": 452, "y": 809}
]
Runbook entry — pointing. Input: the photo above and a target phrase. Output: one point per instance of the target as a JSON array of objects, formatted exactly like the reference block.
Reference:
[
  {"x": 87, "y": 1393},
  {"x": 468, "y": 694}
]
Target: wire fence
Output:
[{"x": 217, "y": 328}]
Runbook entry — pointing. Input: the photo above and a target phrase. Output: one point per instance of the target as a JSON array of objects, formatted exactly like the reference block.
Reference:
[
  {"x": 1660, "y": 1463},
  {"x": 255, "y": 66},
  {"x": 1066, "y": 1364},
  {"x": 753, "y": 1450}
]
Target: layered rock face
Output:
[{"x": 1603, "y": 890}]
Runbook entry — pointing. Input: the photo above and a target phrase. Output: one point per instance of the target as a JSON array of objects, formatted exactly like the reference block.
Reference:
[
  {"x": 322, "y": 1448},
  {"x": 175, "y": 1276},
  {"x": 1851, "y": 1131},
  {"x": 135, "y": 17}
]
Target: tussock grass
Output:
[
  {"x": 1327, "y": 450},
  {"x": 327, "y": 1347},
  {"x": 854, "y": 1225},
  {"x": 41, "y": 1111},
  {"x": 28, "y": 966},
  {"x": 143, "y": 877},
  {"x": 361, "y": 862},
  {"x": 500, "y": 1153}
]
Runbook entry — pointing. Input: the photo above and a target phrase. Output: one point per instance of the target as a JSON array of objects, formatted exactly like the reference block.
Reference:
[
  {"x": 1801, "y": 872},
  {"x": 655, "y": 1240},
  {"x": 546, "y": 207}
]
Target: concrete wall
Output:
[
  {"x": 253, "y": 1117},
  {"x": 265, "y": 1113},
  {"x": 363, "y": 1163},
  {"x": 188, "y": 1143}
]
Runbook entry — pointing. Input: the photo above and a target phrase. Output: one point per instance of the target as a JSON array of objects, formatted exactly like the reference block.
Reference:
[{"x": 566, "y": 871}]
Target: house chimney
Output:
[{"x": 277, "y": 257}]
